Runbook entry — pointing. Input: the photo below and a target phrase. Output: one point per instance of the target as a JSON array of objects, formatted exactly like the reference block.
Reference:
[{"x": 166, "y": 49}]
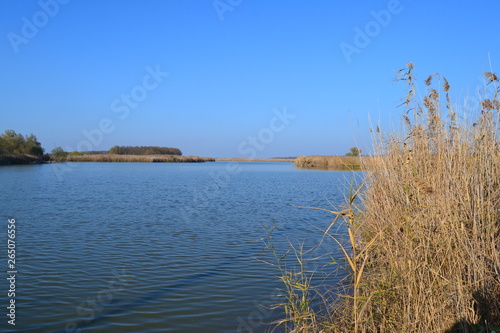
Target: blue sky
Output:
[{"x": 245, "y": 78}]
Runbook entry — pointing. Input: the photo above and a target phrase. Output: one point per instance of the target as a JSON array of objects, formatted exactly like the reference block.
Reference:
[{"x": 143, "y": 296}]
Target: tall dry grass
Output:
[
  {"x": 429, "y": 232},
  {"x": 330, "y": 162},
  {"x": 137, "y": 158},
  {"x": 424, "y": 242}
]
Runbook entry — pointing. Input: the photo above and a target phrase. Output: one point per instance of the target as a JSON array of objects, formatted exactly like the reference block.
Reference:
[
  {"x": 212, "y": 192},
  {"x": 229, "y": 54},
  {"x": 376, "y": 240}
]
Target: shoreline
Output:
[
  {"x": 338, "y": 163},
  {"x": 103, "y": 158},
  {"x": 238, "y": 159},
  {"x": 6, "y": 160},
  {"x": 23, "y": 159},
  {"x": 312, "y": 162}
]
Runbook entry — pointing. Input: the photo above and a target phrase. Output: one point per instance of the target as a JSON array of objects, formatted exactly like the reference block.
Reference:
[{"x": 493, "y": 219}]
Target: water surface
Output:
[{"x": 146, "y": 247}]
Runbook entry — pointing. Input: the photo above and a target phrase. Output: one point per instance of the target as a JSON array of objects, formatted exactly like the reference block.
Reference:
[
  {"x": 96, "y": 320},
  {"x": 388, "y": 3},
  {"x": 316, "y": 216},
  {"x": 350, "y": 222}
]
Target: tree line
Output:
[
  {"x": 144, "y": 150},
  {"x": 12, "y": 143}
]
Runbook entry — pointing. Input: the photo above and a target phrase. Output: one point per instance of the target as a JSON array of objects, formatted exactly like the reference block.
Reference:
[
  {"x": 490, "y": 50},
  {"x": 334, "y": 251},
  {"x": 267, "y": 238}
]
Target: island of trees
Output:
[
  {"x": 128, "y": 154},
  {"x": 18, "y": 149}
]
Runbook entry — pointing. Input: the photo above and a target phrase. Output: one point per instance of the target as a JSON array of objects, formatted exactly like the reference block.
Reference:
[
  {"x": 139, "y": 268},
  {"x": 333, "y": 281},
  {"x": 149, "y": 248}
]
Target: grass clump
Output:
[
  {"x": 137, "y": 158},
  {"x": 424, "y": 251},
  {"x": 330, "y": 162},
  {"x": 430, "y": 226},
  {"x": 299, "y": 293}
]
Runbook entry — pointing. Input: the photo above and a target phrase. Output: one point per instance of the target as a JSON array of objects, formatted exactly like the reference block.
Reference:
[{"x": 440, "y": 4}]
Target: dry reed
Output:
[
  {"x": 331, "y": 162},
  {"x": 137, "y": 158},
  {"x": 424, "y": 250},
  {"x": 430, "y": 226}
]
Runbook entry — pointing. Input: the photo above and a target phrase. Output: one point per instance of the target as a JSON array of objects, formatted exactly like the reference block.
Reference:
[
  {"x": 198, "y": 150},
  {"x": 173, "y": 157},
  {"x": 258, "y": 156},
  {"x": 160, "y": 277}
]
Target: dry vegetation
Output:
[
  {"x": 136, "y": 158},
  {"x": 424, "y": 250},
  {"x": 430, "y": 233},
  {"x": 331, "y": 162}
]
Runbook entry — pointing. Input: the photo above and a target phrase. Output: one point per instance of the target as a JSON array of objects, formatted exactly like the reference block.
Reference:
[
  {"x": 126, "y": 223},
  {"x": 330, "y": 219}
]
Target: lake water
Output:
[{"x": 153, "y": 247}]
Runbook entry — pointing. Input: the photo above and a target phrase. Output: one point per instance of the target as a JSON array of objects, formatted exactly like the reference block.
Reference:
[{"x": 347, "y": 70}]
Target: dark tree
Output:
[
  {"x": 59, "y": 152},
  {"x": 12, "y": 143},
  {"x": 144, "y": 150}
]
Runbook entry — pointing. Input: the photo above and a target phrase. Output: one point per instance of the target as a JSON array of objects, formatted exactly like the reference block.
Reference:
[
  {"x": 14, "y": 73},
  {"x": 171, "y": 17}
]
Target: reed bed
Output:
[
  {"x": 426, "y": 246},
  {"x": 424, "y": 233},
  {"x": 432, "y": 209},
  {"x": 331, "y": 162},
  {"x": 138, "y": 158}
]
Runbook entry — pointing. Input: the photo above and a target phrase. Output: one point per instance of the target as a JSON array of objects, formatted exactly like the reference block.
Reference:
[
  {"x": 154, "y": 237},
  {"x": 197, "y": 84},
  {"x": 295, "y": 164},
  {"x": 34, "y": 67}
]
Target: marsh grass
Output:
[
  {"x": 433, "y": 204},
  {"x": 424, "y": 251},
  {"x": 137, "y": 158},
  {"x": 309, "y": 298},
  {"x": 349, "y": 163},
  {"x": 298, "y": 294}
]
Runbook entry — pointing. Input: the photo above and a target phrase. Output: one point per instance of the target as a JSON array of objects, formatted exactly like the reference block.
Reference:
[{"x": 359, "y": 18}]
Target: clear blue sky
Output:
[{"x": 68, "y": 66}]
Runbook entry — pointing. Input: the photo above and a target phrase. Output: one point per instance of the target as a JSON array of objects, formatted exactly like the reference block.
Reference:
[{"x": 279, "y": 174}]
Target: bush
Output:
[
  {"x": 58, "y": 152},
  {"x": 354, "y": 151}
]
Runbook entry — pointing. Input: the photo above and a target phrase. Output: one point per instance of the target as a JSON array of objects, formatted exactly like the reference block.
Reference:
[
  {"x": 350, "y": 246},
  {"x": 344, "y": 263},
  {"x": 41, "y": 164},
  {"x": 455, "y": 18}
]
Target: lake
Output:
[{"x": 159, "y": 247}]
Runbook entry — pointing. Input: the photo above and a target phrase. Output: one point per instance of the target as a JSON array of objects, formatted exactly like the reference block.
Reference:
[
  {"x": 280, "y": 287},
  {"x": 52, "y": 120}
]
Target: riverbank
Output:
[
  {"x": 23, "y": 159},
  {"x": 256, "y": 159},
  {"x": 424, "y": 229},
  {"x": 138, "y": 158},
  {"x": 29, "y": 159}
]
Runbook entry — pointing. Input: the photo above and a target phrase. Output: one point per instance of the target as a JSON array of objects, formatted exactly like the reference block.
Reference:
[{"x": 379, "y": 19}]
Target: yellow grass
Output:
[
  {"x": 432, "y": 205},
  {"x": 137, "y": 158},
  {"x": 424, "y": 252},
  {"x": 331, "y": 162}
]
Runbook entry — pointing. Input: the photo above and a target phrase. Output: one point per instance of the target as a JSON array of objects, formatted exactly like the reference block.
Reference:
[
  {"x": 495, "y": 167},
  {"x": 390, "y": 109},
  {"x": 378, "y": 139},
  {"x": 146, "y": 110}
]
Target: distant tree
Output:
[
  {"x": 354, "y": 151},
  {"x": 59, "y": 152},
  {"x": 13, "y": 143},
  {"x": 32, "y": 146},
  {"x": 114, "y": 150}
]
